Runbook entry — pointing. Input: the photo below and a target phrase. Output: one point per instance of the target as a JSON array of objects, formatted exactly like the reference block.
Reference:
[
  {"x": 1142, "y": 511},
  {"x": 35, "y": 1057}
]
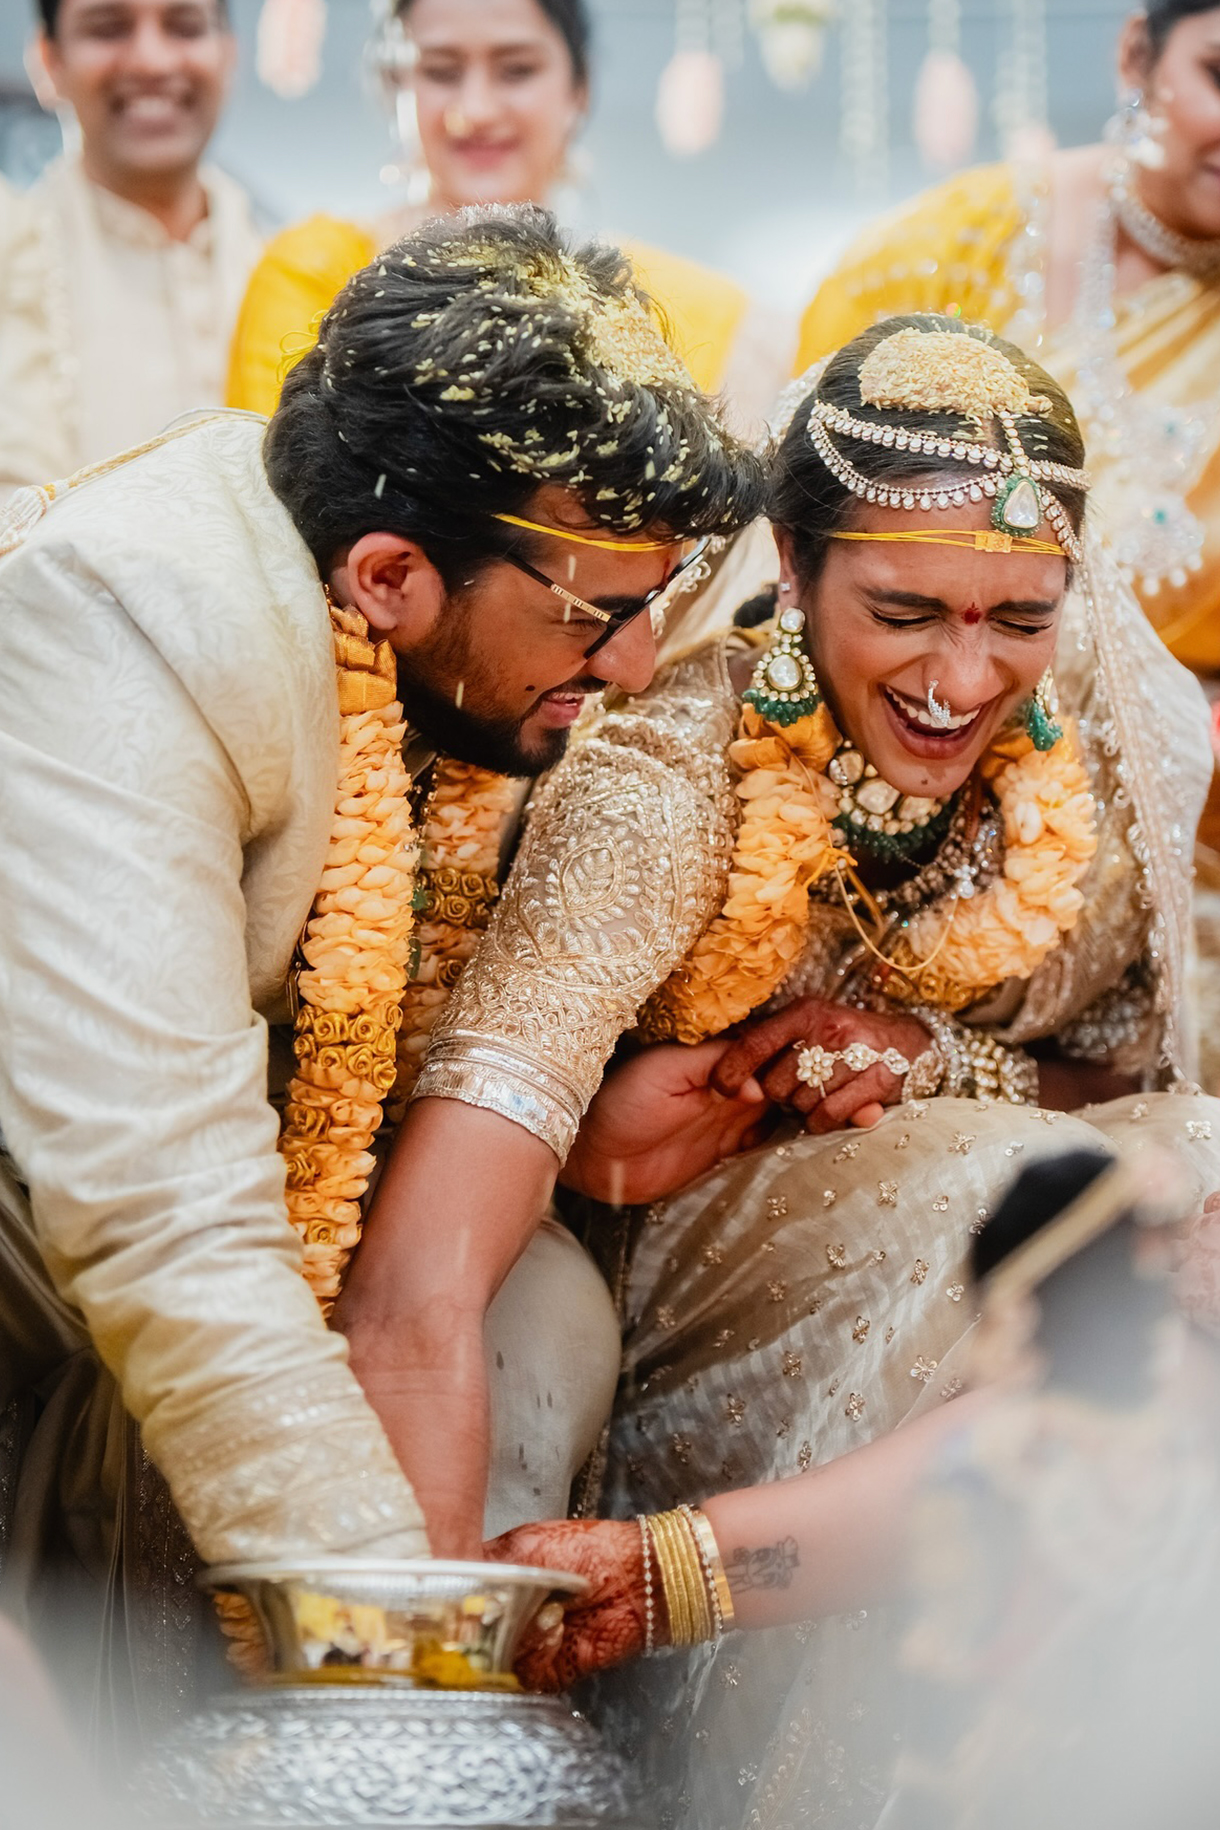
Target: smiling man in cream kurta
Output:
[
  {"x": 168, "y": 744},
  {"x": 122, "y": 268}
]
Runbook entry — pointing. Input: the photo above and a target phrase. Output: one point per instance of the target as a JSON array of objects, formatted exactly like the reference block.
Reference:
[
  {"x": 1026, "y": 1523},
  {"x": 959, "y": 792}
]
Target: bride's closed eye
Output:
[{"x": 902, "y": 622}]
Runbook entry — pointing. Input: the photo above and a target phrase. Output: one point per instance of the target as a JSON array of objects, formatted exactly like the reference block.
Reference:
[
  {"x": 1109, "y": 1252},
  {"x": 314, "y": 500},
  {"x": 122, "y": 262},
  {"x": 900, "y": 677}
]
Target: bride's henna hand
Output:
[
  {"x": 768, "y": 1050},
  {"x": 601, "y": 1628}
]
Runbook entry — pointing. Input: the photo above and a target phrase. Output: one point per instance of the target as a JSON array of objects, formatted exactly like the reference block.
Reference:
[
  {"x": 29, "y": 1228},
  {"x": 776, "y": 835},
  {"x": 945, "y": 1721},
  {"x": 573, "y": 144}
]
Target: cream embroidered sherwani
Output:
[
  {"x": 168, "y": 747},
  {"x": 109, "y": 328}
]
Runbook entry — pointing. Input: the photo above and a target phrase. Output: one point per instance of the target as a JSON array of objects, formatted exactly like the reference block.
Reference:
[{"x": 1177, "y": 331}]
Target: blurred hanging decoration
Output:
[
  {"x": 946, "y": 117},
  {"x": 690, "y": 95},
  {"x": 1022, "y": 89},
  {"x": 288, "y": 51},
  {"x": 390, "y": 56},
  {"x": 864, "y": 131},
  {"x": 792, "y": 38}
]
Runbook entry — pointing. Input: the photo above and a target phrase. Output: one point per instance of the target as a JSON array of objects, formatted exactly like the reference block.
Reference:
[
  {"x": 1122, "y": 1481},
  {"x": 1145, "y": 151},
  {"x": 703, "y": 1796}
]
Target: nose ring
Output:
[{"x": 938, "y": 713}]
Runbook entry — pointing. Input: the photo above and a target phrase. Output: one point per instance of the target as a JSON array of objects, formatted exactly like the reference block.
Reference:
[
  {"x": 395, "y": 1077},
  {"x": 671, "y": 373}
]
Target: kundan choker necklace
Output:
[{"x": 878, "y": 818}]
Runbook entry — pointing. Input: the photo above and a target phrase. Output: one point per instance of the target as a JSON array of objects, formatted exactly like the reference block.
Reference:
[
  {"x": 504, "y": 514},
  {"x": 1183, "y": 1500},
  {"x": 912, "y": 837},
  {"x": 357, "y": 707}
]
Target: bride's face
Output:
[{"x": 887, "y": 621}]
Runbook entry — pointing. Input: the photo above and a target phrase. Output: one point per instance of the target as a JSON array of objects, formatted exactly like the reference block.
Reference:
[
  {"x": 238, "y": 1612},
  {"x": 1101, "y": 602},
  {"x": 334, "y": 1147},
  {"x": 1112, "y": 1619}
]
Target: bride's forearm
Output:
[{"x": 836, "y": 1538}]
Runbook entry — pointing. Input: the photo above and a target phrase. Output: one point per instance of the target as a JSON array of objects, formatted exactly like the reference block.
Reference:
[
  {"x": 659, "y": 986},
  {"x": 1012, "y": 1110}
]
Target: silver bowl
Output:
[
  {"x": 391, "y": 1704},
  {"x": 424, "y": 1624}
]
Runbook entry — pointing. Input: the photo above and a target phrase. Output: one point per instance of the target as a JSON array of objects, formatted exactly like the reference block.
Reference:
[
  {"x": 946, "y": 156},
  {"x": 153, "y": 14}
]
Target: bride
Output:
[{"x": 926, "y": 836}]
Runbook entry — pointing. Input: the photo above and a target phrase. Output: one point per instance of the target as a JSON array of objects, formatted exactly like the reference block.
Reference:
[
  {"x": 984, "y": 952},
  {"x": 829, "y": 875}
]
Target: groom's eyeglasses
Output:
[{"x": 614, "y": 620}]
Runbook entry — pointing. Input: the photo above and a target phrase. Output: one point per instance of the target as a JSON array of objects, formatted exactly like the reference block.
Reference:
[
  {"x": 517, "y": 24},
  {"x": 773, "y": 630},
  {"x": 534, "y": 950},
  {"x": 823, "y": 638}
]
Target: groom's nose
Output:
[{"x": 629, "y": 658}]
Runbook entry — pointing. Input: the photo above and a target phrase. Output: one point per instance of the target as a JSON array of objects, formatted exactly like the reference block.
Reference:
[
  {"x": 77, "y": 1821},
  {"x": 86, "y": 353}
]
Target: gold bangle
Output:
[
  {"x": 673, "y": 1583},
  {"x": 677, "y": 1607},
  {"x": 690, "y": 1599},
  {"x": 713, "y": 1567}
]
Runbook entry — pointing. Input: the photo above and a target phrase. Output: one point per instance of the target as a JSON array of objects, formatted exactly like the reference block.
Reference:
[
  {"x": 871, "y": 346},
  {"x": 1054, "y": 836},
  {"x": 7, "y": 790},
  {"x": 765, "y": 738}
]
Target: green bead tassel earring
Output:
[{"x": 1041, "y": 714}]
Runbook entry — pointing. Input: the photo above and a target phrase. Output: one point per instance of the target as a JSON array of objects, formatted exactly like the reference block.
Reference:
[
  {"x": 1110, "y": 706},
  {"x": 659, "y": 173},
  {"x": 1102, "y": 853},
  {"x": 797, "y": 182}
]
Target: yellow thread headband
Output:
[
  {"x": 982, "y": 540},
  {"x": 610, "y": 546}
]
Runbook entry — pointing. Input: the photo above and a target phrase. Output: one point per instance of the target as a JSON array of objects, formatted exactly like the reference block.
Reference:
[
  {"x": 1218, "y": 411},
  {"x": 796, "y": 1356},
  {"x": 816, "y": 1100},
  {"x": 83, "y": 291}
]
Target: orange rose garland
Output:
[{"x": 356, "y": 948}]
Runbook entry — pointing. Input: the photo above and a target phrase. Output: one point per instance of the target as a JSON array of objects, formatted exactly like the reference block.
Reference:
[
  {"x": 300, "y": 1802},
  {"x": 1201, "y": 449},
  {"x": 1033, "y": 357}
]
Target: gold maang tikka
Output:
[{"x": 953, "y": 372}]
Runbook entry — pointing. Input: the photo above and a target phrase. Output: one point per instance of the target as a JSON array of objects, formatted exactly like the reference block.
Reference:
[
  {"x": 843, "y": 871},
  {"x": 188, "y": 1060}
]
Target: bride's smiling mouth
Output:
[{"x": 921, "y": 733}]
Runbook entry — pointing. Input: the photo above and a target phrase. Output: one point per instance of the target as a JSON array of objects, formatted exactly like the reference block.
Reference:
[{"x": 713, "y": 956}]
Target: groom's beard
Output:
[
  {"x": 433, "y": 677},
  {"x": 498, "y": 744}
]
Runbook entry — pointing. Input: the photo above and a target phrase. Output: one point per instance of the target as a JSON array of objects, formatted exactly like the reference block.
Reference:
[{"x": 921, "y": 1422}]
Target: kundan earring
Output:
[
  {"x": 1042, "y": 713},
  {"x": 785, "y": 687}
]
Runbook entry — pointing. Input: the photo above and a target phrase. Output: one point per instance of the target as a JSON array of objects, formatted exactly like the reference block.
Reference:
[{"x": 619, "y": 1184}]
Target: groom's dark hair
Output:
[{"x": 476, "y": 361}]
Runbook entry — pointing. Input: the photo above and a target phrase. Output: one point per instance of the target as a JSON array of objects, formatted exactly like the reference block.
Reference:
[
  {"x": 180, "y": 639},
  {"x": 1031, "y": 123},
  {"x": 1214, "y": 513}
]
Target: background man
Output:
[
  {"x": 173, "y": 784},
  {"x": 122, "y": 269}
]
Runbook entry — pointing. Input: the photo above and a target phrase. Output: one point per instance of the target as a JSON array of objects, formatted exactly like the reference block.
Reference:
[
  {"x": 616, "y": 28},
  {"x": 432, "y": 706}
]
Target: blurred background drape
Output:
[{"x": 818, "y": 116}]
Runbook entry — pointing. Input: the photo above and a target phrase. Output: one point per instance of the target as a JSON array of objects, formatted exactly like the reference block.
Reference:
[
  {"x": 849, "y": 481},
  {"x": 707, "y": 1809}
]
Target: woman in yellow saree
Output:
[{"x": 500, "y": 92}]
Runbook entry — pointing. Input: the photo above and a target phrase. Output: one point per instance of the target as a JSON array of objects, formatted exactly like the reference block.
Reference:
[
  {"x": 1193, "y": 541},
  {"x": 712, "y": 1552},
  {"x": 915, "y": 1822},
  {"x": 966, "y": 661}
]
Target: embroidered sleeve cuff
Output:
[
  {"x": 465, "y": 1067},
  {"x": 284, "y": 1472}
]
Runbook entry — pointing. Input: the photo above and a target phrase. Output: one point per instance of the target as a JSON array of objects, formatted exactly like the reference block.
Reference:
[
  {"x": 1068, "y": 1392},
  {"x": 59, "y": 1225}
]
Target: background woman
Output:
[
  {"x": 1106, "y": 264},
  {"x": 965, "y": 912},
  {"x": 501, "y": 91}
]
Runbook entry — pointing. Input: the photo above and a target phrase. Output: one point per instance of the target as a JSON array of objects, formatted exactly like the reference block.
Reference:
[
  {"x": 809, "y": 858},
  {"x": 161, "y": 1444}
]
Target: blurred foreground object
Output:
[
  {"x": 46, "y": 1783},
  {"x": 1062, "y": 1659}
]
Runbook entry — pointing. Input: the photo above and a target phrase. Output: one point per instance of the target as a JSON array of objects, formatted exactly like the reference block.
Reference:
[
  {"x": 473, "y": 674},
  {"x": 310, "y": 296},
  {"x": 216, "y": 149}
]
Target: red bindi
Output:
[{"x": 973, "y": 616}]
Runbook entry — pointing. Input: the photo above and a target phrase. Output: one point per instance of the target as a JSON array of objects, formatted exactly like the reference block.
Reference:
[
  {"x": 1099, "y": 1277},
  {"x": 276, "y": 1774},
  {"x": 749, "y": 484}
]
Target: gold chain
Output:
[{"x": 921, "y": 966}]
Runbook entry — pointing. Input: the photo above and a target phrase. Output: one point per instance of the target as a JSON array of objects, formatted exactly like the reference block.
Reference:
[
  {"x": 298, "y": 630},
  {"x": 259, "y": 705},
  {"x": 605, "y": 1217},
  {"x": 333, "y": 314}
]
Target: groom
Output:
[{"x": 490, "y": 462}]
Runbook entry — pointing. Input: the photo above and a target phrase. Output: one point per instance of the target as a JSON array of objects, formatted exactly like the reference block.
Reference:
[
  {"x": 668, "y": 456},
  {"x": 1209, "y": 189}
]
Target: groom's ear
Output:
[{"x": 394, "y": 585}]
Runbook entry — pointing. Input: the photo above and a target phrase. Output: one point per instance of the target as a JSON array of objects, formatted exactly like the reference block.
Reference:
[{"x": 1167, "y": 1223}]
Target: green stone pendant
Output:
[{"x": 784, "y": 687}]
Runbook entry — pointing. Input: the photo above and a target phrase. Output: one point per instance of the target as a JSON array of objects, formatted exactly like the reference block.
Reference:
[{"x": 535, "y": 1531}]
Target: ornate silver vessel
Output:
[{"x": 391, "y": 1702}]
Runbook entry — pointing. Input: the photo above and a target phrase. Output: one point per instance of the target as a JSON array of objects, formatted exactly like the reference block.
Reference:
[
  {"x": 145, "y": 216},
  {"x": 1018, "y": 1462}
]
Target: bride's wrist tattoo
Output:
[{"x": 769, "y": 1566}]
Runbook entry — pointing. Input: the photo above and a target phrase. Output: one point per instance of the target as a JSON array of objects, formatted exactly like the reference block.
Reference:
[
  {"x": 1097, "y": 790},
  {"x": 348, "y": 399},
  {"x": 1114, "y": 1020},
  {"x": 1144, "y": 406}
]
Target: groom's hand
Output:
[{"x": 658, "y": 1122}]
